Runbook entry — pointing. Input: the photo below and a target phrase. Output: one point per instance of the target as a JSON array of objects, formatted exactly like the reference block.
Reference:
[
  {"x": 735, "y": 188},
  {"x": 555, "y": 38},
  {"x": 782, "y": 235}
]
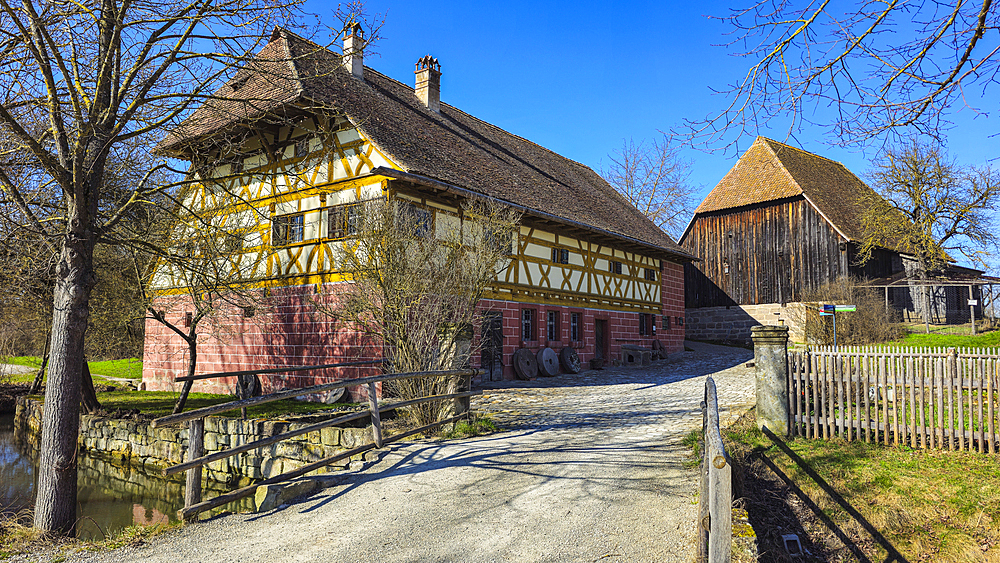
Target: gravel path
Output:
[{"x": 588, "y": 468}]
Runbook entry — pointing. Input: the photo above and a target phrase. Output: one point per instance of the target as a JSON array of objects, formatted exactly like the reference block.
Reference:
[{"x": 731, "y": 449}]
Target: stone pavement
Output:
[
  {"x": 666, "y": 394},
  {"x": 588, "y": 467}
]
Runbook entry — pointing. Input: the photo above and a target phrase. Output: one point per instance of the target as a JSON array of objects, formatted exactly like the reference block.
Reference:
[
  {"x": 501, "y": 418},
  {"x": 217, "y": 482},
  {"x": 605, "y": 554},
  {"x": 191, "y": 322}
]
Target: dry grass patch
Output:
[
  {"x": 19, "y": 538},
  {"x": 930, "y": 505}
]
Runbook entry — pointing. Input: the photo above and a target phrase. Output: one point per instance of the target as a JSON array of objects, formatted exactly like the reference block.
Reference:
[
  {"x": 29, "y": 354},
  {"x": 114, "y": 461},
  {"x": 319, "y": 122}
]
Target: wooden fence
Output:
[
  {"x": 193, "y": 504},
  {"x": 921, "y": 397},
  {"x": 715, "y": 504}
]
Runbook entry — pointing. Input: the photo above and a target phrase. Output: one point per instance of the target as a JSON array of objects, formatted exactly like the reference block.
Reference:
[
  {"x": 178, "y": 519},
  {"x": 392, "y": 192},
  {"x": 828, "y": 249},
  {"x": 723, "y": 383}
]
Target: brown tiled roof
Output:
[
  {"x": 770, "y": 171},
  {"x": 452, "y": 147}
]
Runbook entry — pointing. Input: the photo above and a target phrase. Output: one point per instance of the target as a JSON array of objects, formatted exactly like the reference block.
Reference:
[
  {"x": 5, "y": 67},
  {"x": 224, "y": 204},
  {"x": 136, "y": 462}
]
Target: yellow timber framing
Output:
[{"x": 531, "y": 277}]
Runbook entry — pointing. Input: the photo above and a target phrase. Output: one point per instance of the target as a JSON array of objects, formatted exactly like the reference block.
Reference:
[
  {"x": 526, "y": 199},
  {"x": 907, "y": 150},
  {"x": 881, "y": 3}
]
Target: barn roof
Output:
[
  {"x": 452, "y": 146},
  {"x": 770, "y": 171}
]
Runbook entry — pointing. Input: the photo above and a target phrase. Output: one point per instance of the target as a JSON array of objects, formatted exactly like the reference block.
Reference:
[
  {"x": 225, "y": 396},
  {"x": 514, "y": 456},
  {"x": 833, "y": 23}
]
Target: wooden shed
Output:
[{"x": 780, "y": 222}]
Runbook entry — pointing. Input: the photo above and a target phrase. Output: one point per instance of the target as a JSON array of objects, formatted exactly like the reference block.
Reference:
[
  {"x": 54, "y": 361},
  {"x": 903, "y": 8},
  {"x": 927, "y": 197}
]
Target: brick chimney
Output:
[
  {"x": 428, "y": 88},
  {"x": 354, "y": 43}
]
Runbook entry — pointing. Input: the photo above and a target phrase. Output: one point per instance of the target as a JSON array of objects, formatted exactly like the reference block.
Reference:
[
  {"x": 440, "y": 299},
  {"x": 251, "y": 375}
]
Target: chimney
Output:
[
  {"x": 354, "y": 43},
  {"x": 428, "y": 87}
]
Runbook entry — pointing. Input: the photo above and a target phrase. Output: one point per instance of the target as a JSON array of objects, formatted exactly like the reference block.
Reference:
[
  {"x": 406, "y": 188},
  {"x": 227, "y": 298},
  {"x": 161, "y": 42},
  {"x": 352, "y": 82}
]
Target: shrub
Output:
[{"x": 871, "y": 323}]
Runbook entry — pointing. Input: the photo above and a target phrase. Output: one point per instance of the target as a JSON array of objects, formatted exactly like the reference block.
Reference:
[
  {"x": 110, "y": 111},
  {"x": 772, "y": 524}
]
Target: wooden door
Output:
[
  {"x": 600, "y": 344},
  {"x": 492, "y": 346}
]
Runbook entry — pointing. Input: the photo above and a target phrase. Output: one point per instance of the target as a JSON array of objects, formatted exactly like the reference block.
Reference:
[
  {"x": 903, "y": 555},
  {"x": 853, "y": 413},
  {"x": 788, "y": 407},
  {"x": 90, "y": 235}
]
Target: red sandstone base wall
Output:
[{"x": 292, "y": 331}]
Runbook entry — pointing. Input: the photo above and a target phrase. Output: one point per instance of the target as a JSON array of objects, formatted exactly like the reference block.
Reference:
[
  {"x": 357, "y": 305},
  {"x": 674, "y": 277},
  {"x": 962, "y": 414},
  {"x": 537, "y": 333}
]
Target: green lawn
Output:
[
  {"x": 129, "y": 368},
  {"x": 161, "y": 403},
  {"x": 931, "y": 505},
  {"x": 988, "y": 339}
]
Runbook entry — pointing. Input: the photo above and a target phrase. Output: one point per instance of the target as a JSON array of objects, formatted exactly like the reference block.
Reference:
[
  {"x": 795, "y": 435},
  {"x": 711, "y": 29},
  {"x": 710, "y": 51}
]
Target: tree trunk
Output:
[
  {"x": 55, "y": 502},
  {"x": 37, "y": 383},
  {"x": 926, "y": 297},
  {"x": 192, "y": 363},
  {"x": 89, "y": 394}
]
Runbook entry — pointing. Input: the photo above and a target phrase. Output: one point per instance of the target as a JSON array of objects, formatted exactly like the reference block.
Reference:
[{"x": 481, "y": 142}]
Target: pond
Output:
[{"x": 109, "y": 497}]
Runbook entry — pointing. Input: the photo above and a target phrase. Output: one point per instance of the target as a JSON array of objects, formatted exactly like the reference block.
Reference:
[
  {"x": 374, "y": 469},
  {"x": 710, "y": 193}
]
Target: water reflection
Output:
[{"x": 109, "y": 497}]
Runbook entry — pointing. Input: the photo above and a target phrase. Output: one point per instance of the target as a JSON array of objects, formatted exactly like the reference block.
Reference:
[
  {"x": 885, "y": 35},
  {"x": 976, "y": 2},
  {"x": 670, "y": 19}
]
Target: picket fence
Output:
[{"x": 921, "y": 397}]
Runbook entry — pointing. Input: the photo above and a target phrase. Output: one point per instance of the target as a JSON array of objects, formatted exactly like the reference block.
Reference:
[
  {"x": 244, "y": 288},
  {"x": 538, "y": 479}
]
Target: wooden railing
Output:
[
  {"x": 715, "y": 503},
  {"x": 921, "y": 397},
  {"x": 196, "y": 458}
]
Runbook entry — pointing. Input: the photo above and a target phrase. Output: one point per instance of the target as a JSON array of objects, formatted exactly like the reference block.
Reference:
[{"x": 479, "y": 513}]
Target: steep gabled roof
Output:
[
  {"x": 770, "y": 171},
  {"x": 451, "y": 147}
]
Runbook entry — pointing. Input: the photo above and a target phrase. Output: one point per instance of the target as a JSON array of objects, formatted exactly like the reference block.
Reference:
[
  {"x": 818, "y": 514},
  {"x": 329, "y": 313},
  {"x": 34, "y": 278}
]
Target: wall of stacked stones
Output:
[
  {"x": 732, "y": 324},
  {"x": 138, "y": 444}
]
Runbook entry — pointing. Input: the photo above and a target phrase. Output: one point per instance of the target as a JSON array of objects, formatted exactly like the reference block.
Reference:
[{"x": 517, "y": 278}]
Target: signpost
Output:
[{"x": 831, "y": 311}]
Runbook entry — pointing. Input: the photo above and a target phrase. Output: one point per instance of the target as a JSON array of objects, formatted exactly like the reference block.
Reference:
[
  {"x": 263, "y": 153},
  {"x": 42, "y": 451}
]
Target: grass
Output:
[
  {"x": 161, "y": 403},
  {"x": 984, "y": 340},
  {"x": 479, "y": 426},
  {"x": 931, "y": 505},
  {"x": 18, "y": 539},
  {"x": 129, "y": 368}
]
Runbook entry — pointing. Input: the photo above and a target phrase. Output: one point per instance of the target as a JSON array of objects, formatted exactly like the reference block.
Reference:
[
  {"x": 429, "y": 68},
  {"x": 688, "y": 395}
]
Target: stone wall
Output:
[
  {"x": 138, "y": 444},
  {"x": 732, "y": 324}
]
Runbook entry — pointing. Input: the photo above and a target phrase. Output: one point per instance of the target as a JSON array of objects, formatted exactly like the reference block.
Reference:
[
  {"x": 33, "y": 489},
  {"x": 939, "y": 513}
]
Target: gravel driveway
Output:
[{"x": 588, "y": 468}]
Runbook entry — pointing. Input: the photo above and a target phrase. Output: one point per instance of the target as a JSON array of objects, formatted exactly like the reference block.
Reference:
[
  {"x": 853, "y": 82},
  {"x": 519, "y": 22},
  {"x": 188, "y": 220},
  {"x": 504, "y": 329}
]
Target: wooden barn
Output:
[{"x": 781, "y": 222}]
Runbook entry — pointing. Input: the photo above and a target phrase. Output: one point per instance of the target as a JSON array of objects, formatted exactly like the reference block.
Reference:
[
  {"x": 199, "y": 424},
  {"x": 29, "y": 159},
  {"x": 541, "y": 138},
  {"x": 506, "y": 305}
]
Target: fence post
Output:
[
  {"x": 770, "y": 350},
  {"x": 703, "y": 523},
  {"x": 196, "y": 441},
  {"x": 376, "y": 419}
]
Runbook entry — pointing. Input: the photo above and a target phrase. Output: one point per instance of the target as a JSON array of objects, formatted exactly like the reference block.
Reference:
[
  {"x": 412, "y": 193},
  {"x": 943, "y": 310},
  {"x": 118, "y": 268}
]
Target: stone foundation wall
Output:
[
  {"x": 733, "y": 323},
  {"x": 138, "y": 444}
]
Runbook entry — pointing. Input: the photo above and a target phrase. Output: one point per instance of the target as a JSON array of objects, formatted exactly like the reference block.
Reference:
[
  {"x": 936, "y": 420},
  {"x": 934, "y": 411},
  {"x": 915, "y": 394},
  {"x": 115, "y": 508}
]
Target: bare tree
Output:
[
  {"x": 654, "y": 178},
  {"x": 417, "y": 282},
  {"x": 931, "y": 208},
  {"x": 85, "y": 84},
  {"x": 858, "y": 70},
  {"x": 205, "y": 276}
]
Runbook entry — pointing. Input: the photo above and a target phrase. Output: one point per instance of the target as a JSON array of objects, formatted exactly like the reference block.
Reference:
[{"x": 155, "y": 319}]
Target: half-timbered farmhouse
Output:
[
  {"x": 307, "y": 134},
  {"x": 781, "y": 222}
]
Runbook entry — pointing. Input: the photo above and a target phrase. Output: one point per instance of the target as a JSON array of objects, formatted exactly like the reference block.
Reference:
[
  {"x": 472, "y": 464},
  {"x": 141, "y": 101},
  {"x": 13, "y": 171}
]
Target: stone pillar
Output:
[{"x": 770, "y": 350}]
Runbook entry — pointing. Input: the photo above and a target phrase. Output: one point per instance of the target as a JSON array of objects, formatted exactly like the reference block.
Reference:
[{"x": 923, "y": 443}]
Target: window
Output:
[
  {"x": 666, "y": 322},
  {"x": 528, "y": 324},
  {"x": 302, "y": 146},
  {"x": 614, "y": 267},
  {"x": 642, "y": 324},
  {"x": 680, "y": 321},
  {"x": 574, "y": 326},
  {"x": 287, "y": 229},
  {"x": 501, "y": 240},
  {"x": 343, "y": 220},
  {"x": 420, "y": 219},
  {"x": 560, "y": 256},
  {"x": 233, "y": 241},
  {"x": 552, "y": 326},
  {"x": 650, "y": 274}
]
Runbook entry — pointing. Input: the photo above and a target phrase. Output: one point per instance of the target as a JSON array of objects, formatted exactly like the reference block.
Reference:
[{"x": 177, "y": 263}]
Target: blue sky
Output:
[{"x": 579, "y": 77}]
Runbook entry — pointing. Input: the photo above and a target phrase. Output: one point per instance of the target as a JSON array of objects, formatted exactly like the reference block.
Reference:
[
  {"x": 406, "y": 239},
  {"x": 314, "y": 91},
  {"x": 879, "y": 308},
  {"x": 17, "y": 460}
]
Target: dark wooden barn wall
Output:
[{"x": 775, "y": 251}]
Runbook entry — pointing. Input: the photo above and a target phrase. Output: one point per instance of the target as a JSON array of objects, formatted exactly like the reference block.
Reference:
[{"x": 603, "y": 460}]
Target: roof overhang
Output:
[{"x": 539, "y": 216}]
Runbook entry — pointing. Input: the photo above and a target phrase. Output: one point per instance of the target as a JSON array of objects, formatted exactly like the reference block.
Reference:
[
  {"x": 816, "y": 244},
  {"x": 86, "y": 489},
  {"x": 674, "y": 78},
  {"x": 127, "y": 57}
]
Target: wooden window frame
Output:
[
  {"x": 552, "y": 332},
  {"x": 560, "y": 256},
  {"x": 576, "y": 326},
  {"x": 650, "y": 274},
  {"x": 615, "y": 267},
  {"x": 529, "y": 332},
  {"x": 422, "y": 216},
  {"x": 347, "y": 215},
  {"x": 283, "y": 227}
]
